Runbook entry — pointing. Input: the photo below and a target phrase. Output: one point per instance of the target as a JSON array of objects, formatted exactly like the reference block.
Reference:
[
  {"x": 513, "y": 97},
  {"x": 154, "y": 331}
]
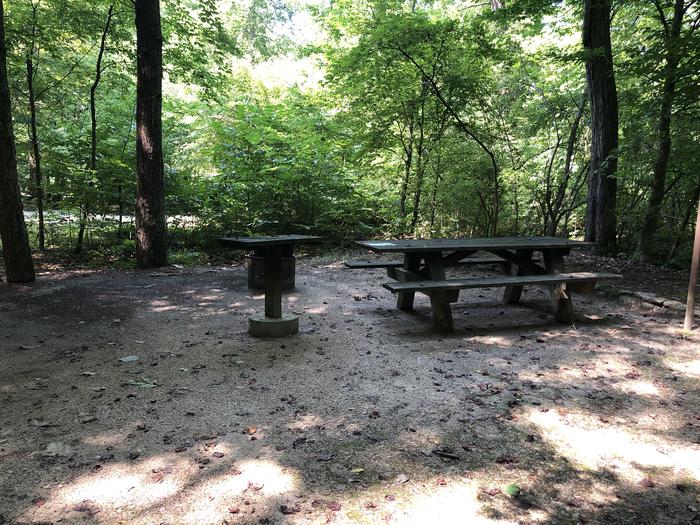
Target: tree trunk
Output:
[
  {"x": 602, "y": 91},
  {"x": 13, "y": 232},
  {"x": 658, "y": 184},
  {"x": 682, "y": 230},
  {"x": 35, "y": 155},
  {"x": 92, "y": 165},
  {"x": 420, "y": 167},
  {"x": 151, "y": 241},
  {"x": 556, "y": 209}
]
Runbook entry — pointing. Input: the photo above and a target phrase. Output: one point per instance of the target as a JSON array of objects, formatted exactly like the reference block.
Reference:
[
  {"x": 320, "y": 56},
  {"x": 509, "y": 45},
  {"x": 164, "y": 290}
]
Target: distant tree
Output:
[
  {"x": 602, "y": 91},
  {"x": 13, "y": 232},
  {"x": 151, "y": 241},
  {"x": 671, "y": 30},
  {"x": 92, "y": 165}
]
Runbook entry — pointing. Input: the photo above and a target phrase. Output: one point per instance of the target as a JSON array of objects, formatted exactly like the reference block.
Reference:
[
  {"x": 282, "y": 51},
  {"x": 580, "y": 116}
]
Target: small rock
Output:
[
  {"x": 288, "y": 509},
  {"x": 58, "y": 449},
  {"x": 401, "y": 479}
]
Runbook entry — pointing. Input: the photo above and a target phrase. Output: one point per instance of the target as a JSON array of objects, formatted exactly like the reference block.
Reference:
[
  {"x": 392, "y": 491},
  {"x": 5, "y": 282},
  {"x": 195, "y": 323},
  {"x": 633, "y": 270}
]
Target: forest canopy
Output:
[{"x": 355, "y": 119}]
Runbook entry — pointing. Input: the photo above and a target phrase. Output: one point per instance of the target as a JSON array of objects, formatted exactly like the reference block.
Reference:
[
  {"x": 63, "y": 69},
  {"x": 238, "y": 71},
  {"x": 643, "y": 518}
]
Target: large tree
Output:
[
  {"x": 13, "y": 232},
  {"x": 151, "y": 242},
  {"x": 602, "y": 91}
]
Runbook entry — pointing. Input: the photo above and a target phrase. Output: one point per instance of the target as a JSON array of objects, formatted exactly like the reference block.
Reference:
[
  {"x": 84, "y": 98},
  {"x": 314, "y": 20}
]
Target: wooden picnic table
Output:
[
  {"x": 273, "y": 248},
  {"x": 425, "y": 261}
]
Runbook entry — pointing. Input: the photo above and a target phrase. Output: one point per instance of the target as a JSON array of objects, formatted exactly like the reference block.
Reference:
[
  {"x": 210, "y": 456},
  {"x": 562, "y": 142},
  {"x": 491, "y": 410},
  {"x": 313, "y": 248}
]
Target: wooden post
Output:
[
  {"x": 694, "y": 267},
  {"x": 511, "y": 295},
  {"x": 561, "y": 297},
  {"x": 411, "y": 262},
  {"x": 439, "y": 301},
  {"x": 273, "y": 284}
]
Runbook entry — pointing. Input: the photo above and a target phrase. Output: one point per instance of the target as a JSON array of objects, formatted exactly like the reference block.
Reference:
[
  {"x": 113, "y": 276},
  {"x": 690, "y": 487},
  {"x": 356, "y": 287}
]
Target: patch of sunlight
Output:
[
  {"x": 106, "y": 439},
  {"x": 580, "y": 438},
  {"x": 235, "y": 305},
  {"x": 691, "y": 368},
  {"x": 318, "y": 310},
  {"x": 493, "y": 340},
  {"x": 128, "y": 485},
  {"x": 642, "y": 388},
  {"x": 292, "y": 299},
  {"x": 455, "y": 503},
  {"x": 209, "y": 298},
  {"x": 209, "y": 501},
  {"x": 160, "y": 309},
  {"x": 258, "y": 296},
  {"x": 305, "y": 422}
]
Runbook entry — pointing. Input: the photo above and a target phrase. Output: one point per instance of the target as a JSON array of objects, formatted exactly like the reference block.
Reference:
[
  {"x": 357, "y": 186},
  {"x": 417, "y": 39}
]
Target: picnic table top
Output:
[
  {"x": 271, "y": 240},
  {"x": 473, "y": 243},
  {"x": 268, "y": 240}
]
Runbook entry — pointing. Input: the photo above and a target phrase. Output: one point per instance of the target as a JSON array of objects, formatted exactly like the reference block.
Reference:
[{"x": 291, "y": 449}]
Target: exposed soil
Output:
[{"x": 365, "y": 417}]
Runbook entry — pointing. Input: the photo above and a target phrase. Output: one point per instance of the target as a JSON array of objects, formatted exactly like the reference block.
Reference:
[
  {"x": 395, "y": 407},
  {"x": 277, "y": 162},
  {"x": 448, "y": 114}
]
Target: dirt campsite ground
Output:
[{"x": 137, "y": 397}]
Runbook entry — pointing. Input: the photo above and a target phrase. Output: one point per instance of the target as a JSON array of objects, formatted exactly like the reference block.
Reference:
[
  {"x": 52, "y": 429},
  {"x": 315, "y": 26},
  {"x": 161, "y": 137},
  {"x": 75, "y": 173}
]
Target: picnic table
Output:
[
  {"x": 273, "y": 323},
  {"x": 425, "y": 260}
]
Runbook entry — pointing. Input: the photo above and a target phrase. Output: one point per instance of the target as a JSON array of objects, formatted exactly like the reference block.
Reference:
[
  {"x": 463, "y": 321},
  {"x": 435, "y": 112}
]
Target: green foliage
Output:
[{"x": 433, "y": 118}]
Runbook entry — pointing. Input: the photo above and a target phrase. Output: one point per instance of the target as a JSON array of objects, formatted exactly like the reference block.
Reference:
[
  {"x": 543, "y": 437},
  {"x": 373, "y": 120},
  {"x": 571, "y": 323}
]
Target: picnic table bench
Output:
[
  {"x": 272, "y": 249},
  {"x": 425, "y": 261}
]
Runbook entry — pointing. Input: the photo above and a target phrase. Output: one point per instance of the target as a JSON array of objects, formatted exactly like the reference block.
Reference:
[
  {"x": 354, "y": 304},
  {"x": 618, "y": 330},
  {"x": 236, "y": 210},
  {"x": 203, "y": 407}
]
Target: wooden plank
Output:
[
  {"x": 512, "y": 293},
  {"x": 272, "y": 240},
  {"x": 521, "y": 259},
  {"x": 561, "y": 296},
  {"x": 472, "y": 244},
  {"x": 493, "y": 282},
  {"x": 358, "y": 264},
  {"x": 468, "y": 261},
  {"x": 411, "y": 263},
  {"x": 439, "y": 301},
  {"x": 456, "y": 257}
]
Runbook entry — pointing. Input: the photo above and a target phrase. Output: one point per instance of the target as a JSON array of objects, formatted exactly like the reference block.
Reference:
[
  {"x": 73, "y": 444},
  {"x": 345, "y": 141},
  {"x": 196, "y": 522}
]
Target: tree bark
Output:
[
  {"x": 602, "y": 91},
  {"x": 656, "y": 196},
  {"x": 13, "y": 231},
  {"x": 151, "y": 241}
]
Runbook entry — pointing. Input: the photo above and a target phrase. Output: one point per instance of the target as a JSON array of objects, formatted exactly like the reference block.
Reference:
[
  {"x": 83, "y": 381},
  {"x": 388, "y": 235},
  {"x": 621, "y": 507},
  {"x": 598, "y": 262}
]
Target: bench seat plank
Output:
[
  {"x": 488, "y": 282},
  {"x": 359, "y": 264}
]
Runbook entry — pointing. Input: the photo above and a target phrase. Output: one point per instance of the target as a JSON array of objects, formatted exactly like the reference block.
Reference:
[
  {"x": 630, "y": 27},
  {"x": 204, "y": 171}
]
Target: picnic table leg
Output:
[
  {"x": 273, "y": 284},
  {"x": 411, "y": 262},
  {"x": 511, "y": 295},
  {"x": 561, "y": 297},
  {"x": 273, "y": 323},
  {"x": 439, "y": 301}
]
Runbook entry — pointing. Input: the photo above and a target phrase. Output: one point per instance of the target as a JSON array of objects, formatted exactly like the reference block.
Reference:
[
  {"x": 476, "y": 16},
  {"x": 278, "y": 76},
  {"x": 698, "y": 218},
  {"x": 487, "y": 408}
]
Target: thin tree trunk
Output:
[
  {"x": 13, "y": 232},
  {"x": 495, "y": 194},
  {"x": 436, "y": 183},
  {"x": 602, "y": 91},
  {"x": 151, "y": 241},
  {"x": 566, "y": 177},
  {"x": 35, "y": 155},
  {"x": 92, "y": 165},
  {"x": 420, "y": 167},
  {"x": 684, "y": 225},
  {"x": 656, "y": 196}
]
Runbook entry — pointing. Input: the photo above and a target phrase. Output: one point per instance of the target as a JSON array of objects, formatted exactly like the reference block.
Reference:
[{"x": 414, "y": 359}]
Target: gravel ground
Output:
[{"x": 139, "y": 398}]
